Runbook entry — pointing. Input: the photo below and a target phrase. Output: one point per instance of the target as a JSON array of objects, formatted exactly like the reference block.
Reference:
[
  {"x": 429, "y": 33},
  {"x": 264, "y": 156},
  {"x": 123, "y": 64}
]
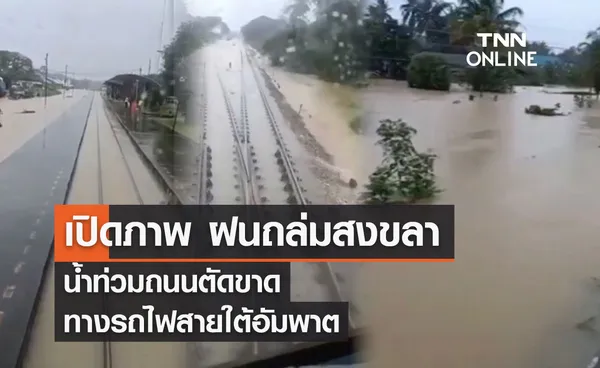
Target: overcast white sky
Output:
[{"x": 560, "y": 23}]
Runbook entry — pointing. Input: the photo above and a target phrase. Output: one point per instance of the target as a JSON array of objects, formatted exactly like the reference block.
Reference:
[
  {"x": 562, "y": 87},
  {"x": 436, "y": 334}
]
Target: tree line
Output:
[{"x": 346, "y": 41}]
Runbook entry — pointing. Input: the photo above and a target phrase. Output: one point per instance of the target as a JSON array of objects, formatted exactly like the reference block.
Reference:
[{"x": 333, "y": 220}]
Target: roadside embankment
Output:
[{"x": 325, "y": 118}]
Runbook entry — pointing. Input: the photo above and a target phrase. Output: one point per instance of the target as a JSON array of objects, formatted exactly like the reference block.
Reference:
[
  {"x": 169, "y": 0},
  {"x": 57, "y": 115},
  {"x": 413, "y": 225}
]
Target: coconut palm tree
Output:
[
  {"x": 297, "y": 12},
  {"x": 474, "y": 16},
  {"x": 379, "y": 12},
  {"x": 426, "y": 15},
  {"x": 590, "y": 50}
]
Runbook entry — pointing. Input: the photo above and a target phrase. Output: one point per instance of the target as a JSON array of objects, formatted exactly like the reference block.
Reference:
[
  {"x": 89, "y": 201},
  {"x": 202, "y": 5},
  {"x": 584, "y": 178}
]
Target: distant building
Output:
[
  {"x": 542, "y": 60},
  {"x": 452, "y": 60},
  {"x": 458, "y": 62}
]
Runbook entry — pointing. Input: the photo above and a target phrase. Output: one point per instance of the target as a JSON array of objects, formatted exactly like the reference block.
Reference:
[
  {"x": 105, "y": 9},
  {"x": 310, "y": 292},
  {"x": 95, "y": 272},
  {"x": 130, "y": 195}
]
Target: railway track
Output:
[
  {"x": 295, "y": 188},
  {"x": 107, "y": 345},
  {"x": 256, "y": 188},
  {"x": 296, "y": 192},
  {"x": 205, "y": 184},
  {"x": 244, "y": 162},
  {"x": 115, "y": 353}
]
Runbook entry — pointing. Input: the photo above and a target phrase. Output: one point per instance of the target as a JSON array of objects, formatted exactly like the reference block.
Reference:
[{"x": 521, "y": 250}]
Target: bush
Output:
[
  {"x": 405, "y": 175},
  {"x": 428, "y": 72},
  {"x": 491, "y": 79}
]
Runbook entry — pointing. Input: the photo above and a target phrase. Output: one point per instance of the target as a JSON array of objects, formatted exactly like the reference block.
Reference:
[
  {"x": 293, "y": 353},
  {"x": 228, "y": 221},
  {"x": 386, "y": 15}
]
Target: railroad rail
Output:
[
  {"x": 104, "y": 195},
  {"x": 204, "y": 159},
  {"x": 293, "y": 182},
  {"x": 243, "y": 152}
]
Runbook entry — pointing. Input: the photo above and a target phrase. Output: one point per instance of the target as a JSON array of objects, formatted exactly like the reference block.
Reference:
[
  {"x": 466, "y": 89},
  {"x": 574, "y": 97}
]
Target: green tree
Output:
[
  {"x": 475, "y": 16},
  {"x": 389, "y": 43},
  {"x": 297, "y": 12},
  {"x": 425, "y": 16},
  {"x": 540, "y": 47},
  {"x": 590, "y": 50},
  {"x": 15, "y": 66},
  {"x": 428, "y": 72},
  {"x": 190, "y": 37},
  {"x": 332, "y": 47},
  {"x": 405, "y": 175},
  {"x": 572, "y": 55}
]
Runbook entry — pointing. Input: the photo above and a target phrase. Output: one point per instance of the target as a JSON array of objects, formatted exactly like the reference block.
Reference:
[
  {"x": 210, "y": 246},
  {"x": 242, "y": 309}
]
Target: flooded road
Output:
[
  {"x": 108, "y": 171},
  {"x": 32, "y": 179},
  {"x": 525, "y": 190}
]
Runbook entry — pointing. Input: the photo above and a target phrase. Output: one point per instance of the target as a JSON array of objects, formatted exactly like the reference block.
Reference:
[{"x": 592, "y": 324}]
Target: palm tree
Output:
[
  {"x": 474, "y": 16},
  {"x": 426, "y": 15},
  {"x": 379, "y": 12},
  {"x": 297, "y": 12},
  {"x": 590, "y": 50},
  {"x": 409, "y": 12}
]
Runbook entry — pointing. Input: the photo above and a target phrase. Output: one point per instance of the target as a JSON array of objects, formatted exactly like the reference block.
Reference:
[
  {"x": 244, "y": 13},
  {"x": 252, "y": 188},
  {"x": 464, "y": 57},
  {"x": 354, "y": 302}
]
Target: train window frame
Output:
[{"x": 307, "y": 355}]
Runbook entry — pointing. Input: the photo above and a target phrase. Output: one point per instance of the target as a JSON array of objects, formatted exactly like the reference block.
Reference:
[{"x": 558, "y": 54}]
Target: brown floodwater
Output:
[{"x": 526, "y": 191}]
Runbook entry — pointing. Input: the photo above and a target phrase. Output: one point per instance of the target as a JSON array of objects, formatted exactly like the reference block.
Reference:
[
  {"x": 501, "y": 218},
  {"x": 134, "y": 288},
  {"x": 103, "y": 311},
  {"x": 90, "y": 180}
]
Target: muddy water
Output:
[
  {"x": 526, "y": 196},
  {"x": 525, "y": 191}
]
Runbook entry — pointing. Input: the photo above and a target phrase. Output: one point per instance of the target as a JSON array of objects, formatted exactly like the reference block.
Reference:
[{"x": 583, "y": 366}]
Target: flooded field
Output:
[
  {"x": 526, "y": 194},
  {"x": 523, "y": 291}
]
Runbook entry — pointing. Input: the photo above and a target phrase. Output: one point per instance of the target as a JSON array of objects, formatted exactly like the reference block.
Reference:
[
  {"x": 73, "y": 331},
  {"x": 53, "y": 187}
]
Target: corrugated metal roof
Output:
[{"x": 122, "y": 78}]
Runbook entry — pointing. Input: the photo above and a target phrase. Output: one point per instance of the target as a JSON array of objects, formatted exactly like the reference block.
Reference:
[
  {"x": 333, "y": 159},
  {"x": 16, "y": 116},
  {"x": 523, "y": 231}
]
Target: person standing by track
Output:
[{"x": 3, "y": 94}]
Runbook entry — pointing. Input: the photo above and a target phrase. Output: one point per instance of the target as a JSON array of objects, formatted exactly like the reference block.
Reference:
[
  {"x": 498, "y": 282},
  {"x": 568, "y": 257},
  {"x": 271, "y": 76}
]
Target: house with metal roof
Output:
[
  {"x": 458, "y": 62},
  {"x": 542, "y": 60},
  {"x": 452, "y": 60},
  {"x": 129, "y": 85}
]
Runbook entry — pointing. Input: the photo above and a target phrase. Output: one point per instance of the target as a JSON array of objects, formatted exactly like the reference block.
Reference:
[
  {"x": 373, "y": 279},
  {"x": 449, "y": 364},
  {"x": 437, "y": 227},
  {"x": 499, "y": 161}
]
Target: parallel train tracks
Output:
[
  {"x": 294, "y": 187},
  {"x": 251, "y": 186},
  {"x": 249, "y": 180}
]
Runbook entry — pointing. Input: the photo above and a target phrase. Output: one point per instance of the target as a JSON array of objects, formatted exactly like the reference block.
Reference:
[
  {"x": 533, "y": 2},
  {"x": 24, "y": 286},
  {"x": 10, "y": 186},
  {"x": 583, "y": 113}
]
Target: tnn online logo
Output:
[{"x": 502, "y": 58}]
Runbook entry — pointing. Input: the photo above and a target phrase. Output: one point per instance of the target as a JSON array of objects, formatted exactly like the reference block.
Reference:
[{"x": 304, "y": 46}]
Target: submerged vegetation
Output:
[
  {"x": 428, "y": 72},
  {"x": 405, "y": 175},
  {"x": 543, "y": 111}
]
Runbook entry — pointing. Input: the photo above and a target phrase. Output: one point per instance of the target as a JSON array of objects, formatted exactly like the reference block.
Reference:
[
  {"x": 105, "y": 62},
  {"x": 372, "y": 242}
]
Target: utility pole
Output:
[
  {"x": 171, "y": 19},
  {"x": 65, "y": 82},
  {"x": 149, "y": 65},
  {"x": 46, "y": 83},
  {"x": 140, "y": 71}
]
